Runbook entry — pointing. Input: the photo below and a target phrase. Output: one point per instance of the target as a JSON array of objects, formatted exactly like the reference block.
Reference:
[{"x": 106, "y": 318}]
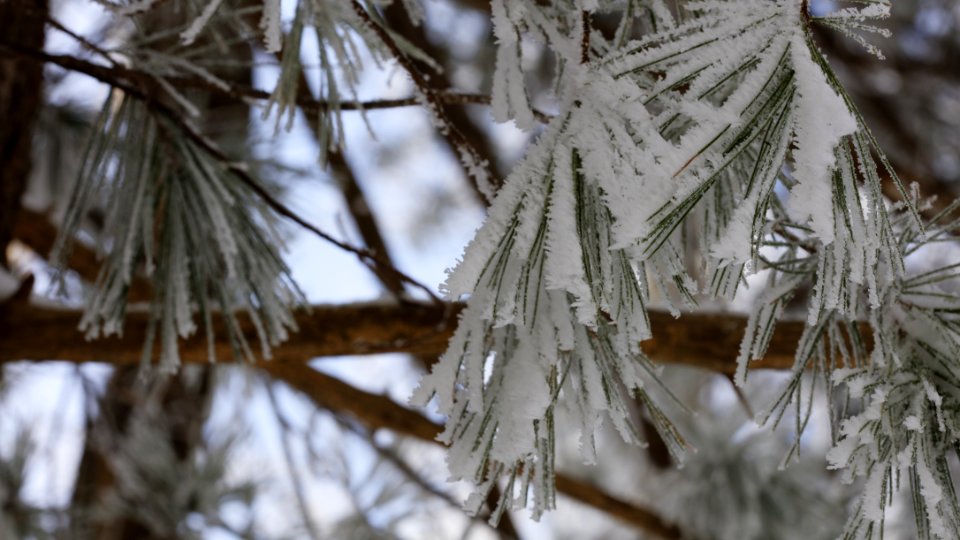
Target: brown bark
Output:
[
  {"x": 706, "y": 340},
  {"x": 27, "y": 332},
  {"x": 33, "y": 333},
  {"x": 21, "y": 89}
]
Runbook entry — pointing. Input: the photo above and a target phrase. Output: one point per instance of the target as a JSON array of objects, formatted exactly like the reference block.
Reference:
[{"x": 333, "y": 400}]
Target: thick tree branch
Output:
[
  {"x": 706, "y": 340},
  {"x": 34, "y": 333}
]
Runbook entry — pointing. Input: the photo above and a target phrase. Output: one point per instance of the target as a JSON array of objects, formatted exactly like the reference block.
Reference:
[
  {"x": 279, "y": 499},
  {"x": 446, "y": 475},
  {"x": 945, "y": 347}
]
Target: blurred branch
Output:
[
  {"x": 298, "y": 490},
  {"x": 505, "y": 526},
  {"x": 126, "y": 78},
  {"x": 36, "y": 231},
  {"x": 185, "y": 402},
  {"x": 378, "y": 412},
  {"x": 363, "y": 217},
  {"x": 476, "y": 166},
  {"x": 356, "y": 203},
  {"x": 396, "y": 17},
  {"x": 391, "y": 456}
]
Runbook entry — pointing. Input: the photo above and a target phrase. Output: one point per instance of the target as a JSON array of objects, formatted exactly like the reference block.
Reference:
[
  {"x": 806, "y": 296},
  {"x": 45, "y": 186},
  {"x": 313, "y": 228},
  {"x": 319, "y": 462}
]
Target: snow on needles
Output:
[
  {"x": 821, "y": 120},
  {"x": 687, "y": 130}
]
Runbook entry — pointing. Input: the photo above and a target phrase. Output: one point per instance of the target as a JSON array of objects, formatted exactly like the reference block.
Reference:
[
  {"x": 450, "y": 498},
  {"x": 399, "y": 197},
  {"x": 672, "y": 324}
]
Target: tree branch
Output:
[
  {"x": 706, "y": 340},
  {"x": 476, "y": 167},
  {"x": 377, "y": 411},
  {"x": 124, "y": 77}
]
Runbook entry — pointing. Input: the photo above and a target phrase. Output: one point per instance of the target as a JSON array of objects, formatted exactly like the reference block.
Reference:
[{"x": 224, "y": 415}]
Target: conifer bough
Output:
[{"x": 716, "y": 147}]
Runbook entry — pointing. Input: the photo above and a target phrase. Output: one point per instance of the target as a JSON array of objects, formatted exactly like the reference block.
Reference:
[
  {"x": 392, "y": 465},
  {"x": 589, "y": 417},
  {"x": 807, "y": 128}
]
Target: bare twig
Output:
[
  {"x": 476, "y": 167},
  {"x": 86, "y": 43},
  {"x": 376, "y": 411},
  {"x": 299, "y": 493},
  {"x": 124, "y": 77},
  {"x": 389, "y": 455},
  {"x": 136, "y": 88},
  {"x": 584, "y": 37}
]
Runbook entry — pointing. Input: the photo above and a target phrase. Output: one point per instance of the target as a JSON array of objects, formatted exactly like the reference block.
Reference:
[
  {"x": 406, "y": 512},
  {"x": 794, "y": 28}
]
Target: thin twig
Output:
[
  {"x": 138, "y": 90},
  {"x": 393, "y": 458},
  {"x": 367, "y": 257},
  {"x": 288, "y": 458},
  {"x": 585, "y": 37},
  {"x": 93, "y": 47},
  {"x": 122, "y": 77},
  {"x": 474, "y": 164}
]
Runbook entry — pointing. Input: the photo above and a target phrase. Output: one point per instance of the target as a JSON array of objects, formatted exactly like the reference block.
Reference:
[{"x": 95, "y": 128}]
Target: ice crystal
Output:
[{"x": 696, "y": 123}]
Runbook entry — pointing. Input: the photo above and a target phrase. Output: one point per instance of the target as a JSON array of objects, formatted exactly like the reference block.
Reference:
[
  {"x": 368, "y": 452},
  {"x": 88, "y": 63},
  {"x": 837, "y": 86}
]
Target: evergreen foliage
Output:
[{"x": 692, "y": 148}]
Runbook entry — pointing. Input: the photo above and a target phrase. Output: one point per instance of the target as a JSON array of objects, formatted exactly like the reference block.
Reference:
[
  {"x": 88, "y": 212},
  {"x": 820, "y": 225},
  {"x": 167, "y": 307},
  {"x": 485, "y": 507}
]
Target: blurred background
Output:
[{"x": 224, "y": 451}]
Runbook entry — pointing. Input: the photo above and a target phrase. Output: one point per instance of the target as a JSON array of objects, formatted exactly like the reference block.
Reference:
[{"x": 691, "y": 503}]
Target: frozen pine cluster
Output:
[
  {"x": 693, "y": 145},
  {"x": 214, "y": 249},
  {"x": 722, "y": 133}
]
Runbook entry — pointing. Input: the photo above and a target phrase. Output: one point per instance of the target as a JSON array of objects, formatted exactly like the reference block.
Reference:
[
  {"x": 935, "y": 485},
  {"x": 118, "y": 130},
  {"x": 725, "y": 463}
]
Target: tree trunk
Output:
[{"x": 21, "y": 88}]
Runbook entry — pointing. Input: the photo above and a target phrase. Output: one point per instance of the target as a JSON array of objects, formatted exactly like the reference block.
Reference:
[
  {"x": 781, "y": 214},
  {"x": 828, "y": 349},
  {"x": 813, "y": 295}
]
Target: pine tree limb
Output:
[
  {"x": 710, "y": 341},
  {"x": 705, "y": 340}
]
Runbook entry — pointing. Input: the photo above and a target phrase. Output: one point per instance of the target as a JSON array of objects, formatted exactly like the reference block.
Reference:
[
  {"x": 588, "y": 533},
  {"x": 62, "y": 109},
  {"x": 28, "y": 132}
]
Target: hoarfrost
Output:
[{"x": 822, "y": 119}]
